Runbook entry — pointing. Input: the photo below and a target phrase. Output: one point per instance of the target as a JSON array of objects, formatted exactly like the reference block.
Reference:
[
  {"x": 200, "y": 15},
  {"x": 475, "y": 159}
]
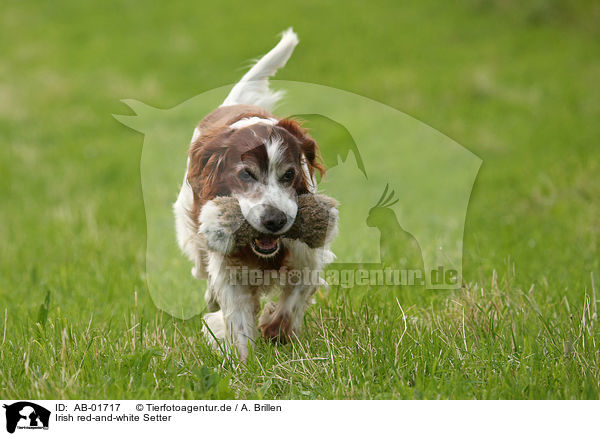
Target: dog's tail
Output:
[{"x": 253, "y": 88}]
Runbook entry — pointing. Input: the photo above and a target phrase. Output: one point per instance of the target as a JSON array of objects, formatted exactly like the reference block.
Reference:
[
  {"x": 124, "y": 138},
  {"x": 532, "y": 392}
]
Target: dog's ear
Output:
[
  {"x": 206, "y": 164},
  {"x": 310, "y": 149}
]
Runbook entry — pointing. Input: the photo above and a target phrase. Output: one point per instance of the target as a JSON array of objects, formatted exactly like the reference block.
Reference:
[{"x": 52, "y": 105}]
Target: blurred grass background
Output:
[{"x": 514, "y": 82}]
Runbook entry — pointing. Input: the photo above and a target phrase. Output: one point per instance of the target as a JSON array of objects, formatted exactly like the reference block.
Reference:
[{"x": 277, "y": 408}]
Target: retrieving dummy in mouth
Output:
[{"x": 315, "y": 225}]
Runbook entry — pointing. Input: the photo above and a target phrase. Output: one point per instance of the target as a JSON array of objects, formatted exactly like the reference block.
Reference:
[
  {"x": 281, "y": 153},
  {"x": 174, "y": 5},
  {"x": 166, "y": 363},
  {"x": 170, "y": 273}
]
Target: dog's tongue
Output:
[{"x": 266, "y": 243}]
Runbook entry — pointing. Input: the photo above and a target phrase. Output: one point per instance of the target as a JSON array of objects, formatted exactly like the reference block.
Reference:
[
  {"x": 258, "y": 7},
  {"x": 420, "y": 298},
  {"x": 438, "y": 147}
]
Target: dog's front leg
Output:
[{"x": 240, "y": 306}]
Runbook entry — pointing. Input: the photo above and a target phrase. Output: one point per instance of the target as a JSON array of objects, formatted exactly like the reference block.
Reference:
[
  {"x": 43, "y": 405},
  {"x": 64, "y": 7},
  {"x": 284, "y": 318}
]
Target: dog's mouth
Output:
[{"x": 266, "y": 246}]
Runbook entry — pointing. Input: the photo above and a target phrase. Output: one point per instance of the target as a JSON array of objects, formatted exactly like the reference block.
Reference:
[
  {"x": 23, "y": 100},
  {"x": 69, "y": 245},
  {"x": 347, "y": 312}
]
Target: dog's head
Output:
[{"x": 265, "y": 164}]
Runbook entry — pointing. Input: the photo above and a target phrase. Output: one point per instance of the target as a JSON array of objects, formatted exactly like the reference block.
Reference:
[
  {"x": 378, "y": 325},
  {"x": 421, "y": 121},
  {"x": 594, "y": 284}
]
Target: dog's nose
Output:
[{"x": 273, "y": 219}]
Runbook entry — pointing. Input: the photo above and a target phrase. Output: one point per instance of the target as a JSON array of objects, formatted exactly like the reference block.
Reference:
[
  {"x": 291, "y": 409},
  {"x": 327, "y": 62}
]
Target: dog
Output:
[{"x": 244, "y": 151}]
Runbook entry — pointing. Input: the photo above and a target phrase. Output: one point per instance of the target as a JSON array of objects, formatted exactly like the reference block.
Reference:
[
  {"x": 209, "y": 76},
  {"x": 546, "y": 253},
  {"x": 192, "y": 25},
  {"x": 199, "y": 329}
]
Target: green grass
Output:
[{"x": 516, "y": 85}]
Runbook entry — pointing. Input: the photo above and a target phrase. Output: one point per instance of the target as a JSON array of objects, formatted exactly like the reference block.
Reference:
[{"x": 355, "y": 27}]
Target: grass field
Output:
[{"x": 517, "y": 85}]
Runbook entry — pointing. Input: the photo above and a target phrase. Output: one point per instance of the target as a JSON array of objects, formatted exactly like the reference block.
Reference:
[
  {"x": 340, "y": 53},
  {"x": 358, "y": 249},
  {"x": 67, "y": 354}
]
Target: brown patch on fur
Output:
[{"x": 308, "y": 145}]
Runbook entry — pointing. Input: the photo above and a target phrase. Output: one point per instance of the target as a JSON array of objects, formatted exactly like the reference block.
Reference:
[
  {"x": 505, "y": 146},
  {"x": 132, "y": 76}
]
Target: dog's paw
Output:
[
  {"x": 274, "y": 325},
  {"x": 267, "y": 313},
  {"x": 218, "y": 235},
  {"x": 214, "y": 328}
]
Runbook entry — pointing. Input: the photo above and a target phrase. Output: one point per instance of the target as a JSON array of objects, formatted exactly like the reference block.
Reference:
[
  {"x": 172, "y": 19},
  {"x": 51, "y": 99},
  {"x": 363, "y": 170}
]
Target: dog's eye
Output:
[
  {"x": 288, "y": 176},
  {"x": 246, "y": 175}
]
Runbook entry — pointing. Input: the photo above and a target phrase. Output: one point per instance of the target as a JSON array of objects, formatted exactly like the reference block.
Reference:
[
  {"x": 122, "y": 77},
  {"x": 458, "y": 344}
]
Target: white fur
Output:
[
  {"x": 195, "y": 136},
  {"x": 235, "y": 323},
  {"x": 216, "y": 324},
  {"x": 216, "y": 236},
  {"x": 312, "y": 180},
  {"x": 253, "y": 88},
  {"x": 274, "y": 152},
  {"x": 245, "y": 122}
]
